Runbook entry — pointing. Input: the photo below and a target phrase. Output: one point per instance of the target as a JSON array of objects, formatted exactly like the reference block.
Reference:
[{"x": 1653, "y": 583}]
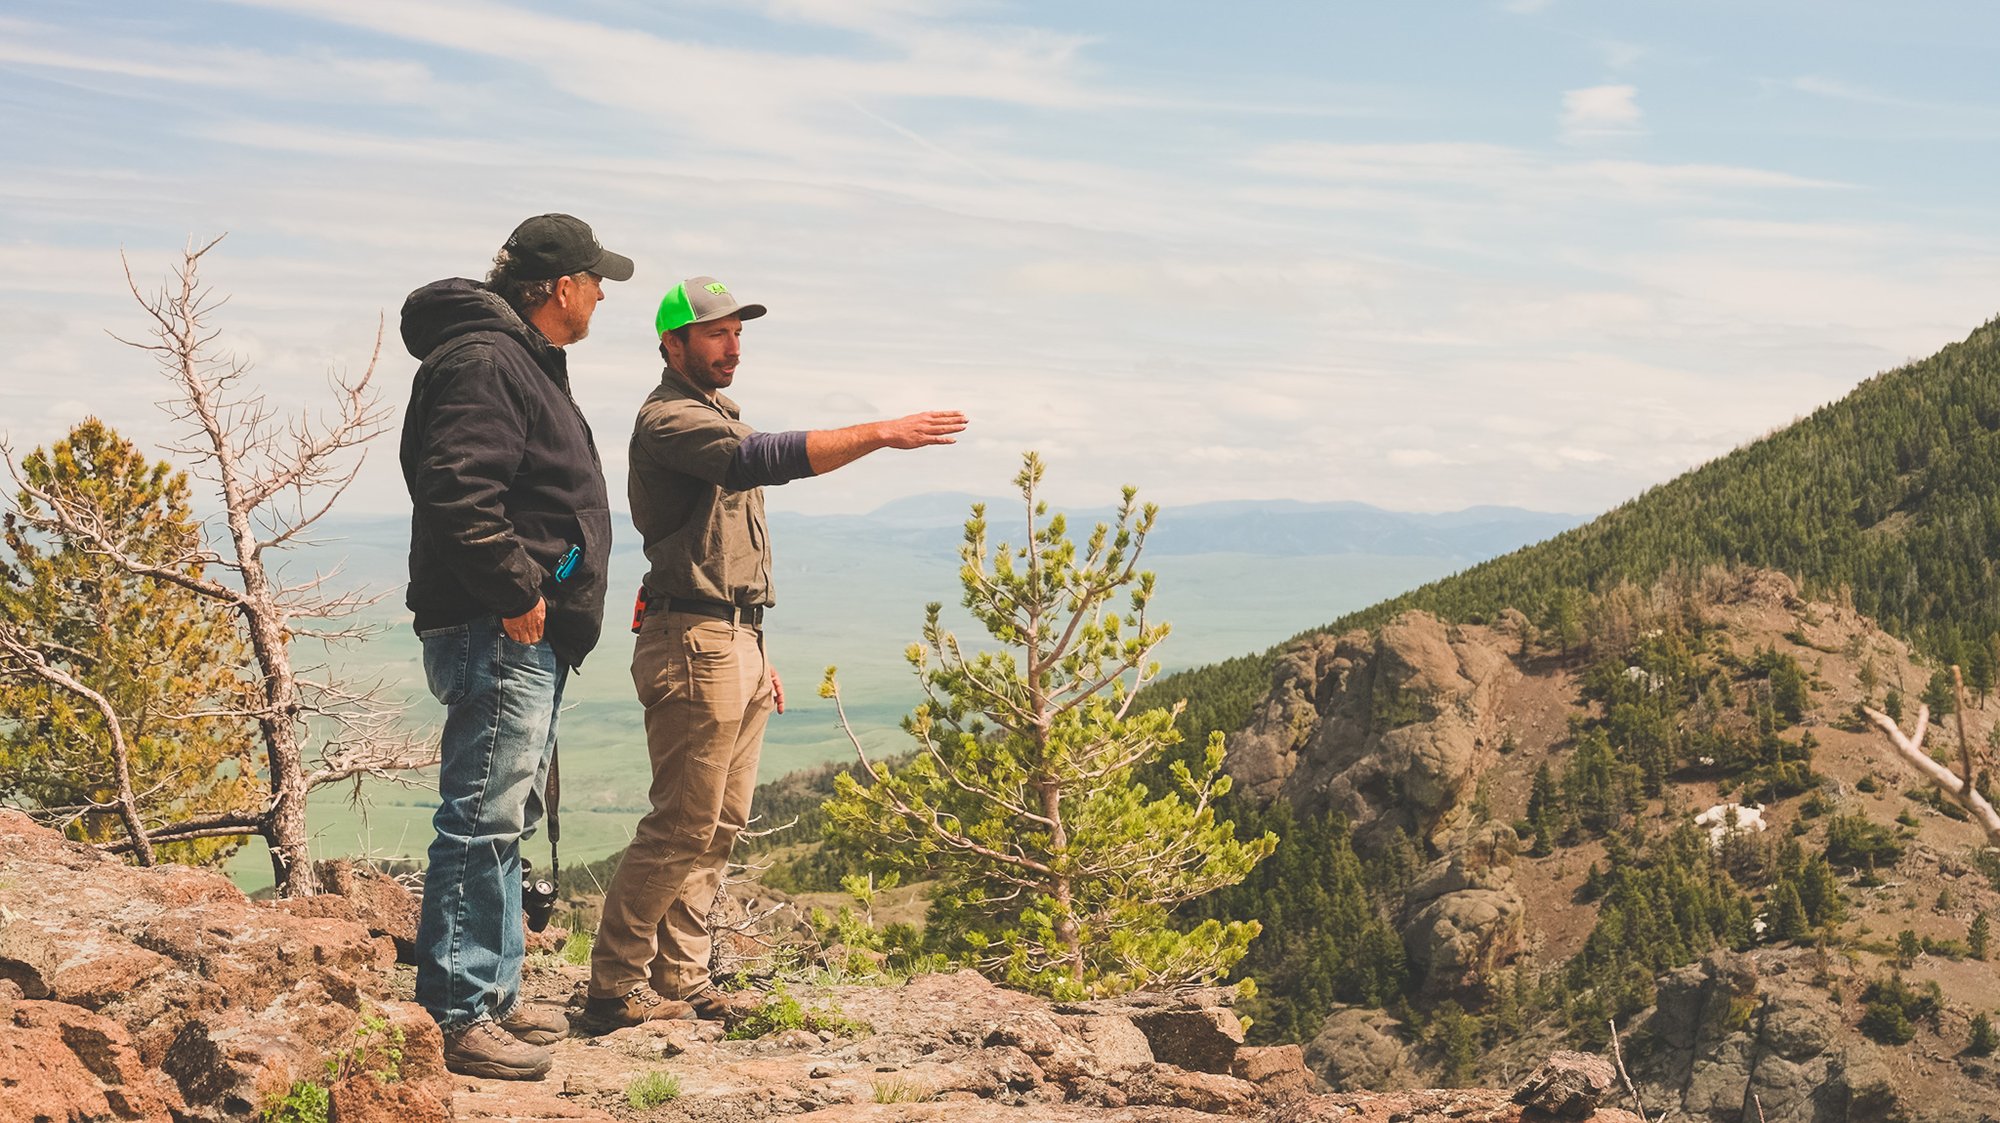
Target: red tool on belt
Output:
[{"x": 639, "y": 604}]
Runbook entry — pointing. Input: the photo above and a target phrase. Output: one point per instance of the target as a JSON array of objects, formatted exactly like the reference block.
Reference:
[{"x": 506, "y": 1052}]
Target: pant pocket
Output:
[{"x": 448, "y": 662}]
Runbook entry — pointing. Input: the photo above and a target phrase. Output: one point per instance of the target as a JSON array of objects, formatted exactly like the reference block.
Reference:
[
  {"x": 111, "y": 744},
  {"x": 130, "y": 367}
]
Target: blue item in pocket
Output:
[{"x": 568, "y": 563}]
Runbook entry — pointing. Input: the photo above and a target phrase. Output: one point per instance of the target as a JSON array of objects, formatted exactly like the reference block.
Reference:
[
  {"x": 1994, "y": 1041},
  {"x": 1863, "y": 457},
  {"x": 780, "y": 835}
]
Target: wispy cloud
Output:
[
  {"x": 1596, "y": 112},
  {"x": 1620, "y": 54},
  {"x": 315, "y": 75},
  {"x": 1486, "y": 168}
]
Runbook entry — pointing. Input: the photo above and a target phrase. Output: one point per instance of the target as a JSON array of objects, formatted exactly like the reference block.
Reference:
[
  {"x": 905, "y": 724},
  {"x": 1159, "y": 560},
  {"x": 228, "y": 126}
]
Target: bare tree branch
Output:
[
  {"x": 121, "y": 754},
  {"x": 1961, "y": 791}
]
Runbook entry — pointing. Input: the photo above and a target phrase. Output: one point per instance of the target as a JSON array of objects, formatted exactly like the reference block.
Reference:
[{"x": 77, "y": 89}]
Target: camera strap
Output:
[{"x": 551, "y": 797}]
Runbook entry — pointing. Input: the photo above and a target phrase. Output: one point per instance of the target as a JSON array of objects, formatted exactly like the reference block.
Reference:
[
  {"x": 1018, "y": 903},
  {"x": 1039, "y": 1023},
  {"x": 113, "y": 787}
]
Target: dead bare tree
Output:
[
  {"x": 1961, "y": 787},
  {"x": 1618, "y": 1058},
  {"x": 731, "y": 920},
  {"x": 276, "y": 475}
]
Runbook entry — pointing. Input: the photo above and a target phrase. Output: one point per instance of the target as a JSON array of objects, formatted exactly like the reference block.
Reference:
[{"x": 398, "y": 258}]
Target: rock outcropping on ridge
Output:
[{"x": 164, "y": 995}]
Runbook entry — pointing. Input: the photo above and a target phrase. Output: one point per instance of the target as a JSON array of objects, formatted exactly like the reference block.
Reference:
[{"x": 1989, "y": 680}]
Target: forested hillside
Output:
[{"x": 1890, "y": 495}]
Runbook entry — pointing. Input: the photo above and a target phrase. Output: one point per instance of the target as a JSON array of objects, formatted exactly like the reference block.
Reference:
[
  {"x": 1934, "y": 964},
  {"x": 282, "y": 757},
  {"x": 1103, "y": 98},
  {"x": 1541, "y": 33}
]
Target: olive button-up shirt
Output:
[{"x": 703, "y": 539}]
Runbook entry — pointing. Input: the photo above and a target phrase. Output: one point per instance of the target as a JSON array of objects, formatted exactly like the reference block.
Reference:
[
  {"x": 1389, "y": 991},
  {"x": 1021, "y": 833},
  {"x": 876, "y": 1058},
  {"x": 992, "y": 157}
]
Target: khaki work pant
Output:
[{"x": 707, "y": 692}]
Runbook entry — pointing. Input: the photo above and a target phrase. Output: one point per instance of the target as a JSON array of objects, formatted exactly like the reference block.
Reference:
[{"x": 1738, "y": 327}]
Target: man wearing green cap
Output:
[{"x": 696, "y": 488}]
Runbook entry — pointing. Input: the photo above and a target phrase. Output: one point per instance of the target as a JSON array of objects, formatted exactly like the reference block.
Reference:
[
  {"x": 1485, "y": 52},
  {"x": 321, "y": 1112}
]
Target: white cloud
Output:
[{"x": 1600, "y": 111}]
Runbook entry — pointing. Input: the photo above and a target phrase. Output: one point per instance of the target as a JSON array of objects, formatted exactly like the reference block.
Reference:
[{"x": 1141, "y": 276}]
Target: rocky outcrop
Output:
[
  {"x": 1278, "y": 1071},
  {"x": 1390, "y": 730},
  {"x": 1465, "y": 915},
  {"x": 59, "y": 1061},
  {"x": 1724, "y": 1040},
  {"x": 1359, "y": 1049},
  {"x": 165, "y": 996},
  {"x": 228, "y": 999},
  {"x": 1568, "y": 1086},
  {"x": 364, "y": 895},
  {"x": 1456, "y": 1105}
]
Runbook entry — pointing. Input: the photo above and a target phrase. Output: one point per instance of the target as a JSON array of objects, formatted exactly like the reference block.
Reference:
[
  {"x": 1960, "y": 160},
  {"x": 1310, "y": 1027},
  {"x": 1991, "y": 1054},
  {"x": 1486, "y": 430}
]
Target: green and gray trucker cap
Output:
[{"x": 698, "y": 300}]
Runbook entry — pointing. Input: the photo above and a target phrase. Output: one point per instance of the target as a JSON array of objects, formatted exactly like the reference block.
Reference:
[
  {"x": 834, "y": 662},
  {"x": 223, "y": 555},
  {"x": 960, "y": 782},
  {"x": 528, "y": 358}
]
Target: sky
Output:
[{"x": 1542, "y": 253}]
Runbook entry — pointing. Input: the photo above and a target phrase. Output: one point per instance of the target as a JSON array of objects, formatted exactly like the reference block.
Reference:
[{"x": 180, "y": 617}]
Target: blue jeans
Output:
[{"x": 500, "y": 700}]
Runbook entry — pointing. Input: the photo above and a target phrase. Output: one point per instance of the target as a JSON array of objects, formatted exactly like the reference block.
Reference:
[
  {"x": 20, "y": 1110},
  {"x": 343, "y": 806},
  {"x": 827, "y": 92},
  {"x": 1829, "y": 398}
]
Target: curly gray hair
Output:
[{"x": 522, "y": 294}]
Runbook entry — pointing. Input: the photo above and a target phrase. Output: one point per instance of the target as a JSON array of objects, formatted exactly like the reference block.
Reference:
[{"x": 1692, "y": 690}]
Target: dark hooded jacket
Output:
[{"x": 502, "y": 470}]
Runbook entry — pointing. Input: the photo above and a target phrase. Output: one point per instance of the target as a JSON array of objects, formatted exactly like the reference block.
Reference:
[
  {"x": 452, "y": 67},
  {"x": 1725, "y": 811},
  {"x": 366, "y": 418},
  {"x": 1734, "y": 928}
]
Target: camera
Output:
[{"x": 538, "y": 898}]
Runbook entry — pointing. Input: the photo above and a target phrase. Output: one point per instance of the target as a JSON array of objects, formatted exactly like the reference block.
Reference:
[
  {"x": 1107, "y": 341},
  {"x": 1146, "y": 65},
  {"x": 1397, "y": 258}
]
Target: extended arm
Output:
[
  {"x": 828, "y": 449},
  {"x": 741, "y": 460}
]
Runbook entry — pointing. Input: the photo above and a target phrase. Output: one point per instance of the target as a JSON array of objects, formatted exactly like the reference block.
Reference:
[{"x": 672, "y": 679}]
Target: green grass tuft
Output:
[
  {"x": 576, "y": 950},
  {"x": 647, "y": 1092},
  {"x": 896, "y": 1090}
]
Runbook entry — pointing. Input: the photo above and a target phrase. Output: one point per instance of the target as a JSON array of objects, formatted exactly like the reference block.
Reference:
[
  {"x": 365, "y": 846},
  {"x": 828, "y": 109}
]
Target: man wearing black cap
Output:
[
  {"x": 510, "y": 539},
  {"x": 696, "y": 487}
]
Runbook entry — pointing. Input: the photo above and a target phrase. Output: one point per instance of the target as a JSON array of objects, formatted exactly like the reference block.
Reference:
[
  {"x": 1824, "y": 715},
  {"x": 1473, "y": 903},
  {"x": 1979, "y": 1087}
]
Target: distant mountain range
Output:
[{"x": 1277, "y": 527}]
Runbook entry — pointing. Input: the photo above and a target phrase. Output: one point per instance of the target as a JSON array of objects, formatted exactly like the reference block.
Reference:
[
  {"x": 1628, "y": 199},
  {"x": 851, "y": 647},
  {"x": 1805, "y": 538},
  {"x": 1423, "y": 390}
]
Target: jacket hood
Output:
[{"x": 444, "y": 310}]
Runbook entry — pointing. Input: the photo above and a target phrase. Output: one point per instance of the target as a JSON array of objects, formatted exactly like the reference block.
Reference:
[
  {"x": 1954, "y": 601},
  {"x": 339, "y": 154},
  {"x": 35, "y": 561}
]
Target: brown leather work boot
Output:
[
  {"x": 536, "y": 1025},
  {"x": 639, "y": 1005},
  {"x": 713, "y": 1004},
  {"x": 484, "y": 1049}
]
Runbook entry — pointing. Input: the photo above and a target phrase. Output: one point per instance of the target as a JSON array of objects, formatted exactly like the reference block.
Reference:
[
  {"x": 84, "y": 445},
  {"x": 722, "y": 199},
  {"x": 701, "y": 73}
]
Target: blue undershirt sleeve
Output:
[{"x": 769, "y": 459}]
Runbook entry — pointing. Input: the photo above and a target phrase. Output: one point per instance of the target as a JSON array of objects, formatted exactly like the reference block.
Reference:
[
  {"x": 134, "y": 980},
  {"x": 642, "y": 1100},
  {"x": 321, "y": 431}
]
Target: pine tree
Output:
[
  {"x": 1977, "y": 935},
  {"x": 150, "y": 648},
  {"x": 1788, "y": 916},
  {"x": 1984, "y": 1039},
  {"x": 1908, "y": 948},
  {"x": 1056, "y": 867},
  {"x": 1542, "y": 815},
  {"x": 1455, "y": 1034},
  {"x": 1819, "y": 892}
]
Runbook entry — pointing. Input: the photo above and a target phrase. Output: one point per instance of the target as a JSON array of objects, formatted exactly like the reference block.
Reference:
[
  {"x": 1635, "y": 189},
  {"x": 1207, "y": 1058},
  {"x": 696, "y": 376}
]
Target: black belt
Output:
[
  {"x": 714, "y": 609},
  {"x": 735, "y": 614}
]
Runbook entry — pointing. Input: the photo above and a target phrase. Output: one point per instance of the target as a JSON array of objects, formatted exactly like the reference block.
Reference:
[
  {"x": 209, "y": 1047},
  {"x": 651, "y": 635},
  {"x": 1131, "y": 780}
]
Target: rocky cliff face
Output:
[
  {"x": 1733, "y": 1036},
  {"x": 1390, "y": 730}
]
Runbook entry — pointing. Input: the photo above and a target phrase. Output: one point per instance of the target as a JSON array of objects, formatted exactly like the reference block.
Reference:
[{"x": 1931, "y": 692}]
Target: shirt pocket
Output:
[{"x": 587, "y": 580}]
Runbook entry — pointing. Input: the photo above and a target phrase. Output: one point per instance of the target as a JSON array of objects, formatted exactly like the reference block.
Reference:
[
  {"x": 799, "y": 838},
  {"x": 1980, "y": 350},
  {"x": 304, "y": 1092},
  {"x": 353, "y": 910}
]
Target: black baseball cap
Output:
[{"x": 557, "y": 245}]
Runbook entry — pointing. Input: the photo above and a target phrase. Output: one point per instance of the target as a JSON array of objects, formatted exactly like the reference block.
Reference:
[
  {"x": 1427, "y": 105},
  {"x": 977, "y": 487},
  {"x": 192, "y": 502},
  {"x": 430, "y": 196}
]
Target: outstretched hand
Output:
[{"x": 932, "y": 427}]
